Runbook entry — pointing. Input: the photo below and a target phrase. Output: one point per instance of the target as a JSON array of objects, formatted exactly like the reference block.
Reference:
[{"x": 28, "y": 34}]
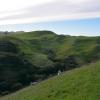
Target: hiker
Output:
[{"x": 59, "y": 72}]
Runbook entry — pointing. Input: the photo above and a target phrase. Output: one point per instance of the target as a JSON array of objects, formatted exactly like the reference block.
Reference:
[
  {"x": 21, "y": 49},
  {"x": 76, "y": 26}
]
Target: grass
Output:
[
  {"x": 78, "y": 84},
  {"x": 45, "y": 50},
  {"x": 39, "y": 41}
]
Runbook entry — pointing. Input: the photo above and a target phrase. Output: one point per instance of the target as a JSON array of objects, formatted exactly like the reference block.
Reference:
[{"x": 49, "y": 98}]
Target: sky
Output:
[{"x": 71, "y": 17}]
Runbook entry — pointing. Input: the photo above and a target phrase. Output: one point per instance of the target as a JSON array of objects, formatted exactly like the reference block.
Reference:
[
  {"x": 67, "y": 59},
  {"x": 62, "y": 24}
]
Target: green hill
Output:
[
  {"x": 34, "y": 56},
  {"x": 78, "y": 84}
]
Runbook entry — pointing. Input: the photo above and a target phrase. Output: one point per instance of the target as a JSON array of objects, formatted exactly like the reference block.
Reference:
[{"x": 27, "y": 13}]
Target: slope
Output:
[
  {"x": 38, "y": 55},
  {"x": 78, "y": 84}
]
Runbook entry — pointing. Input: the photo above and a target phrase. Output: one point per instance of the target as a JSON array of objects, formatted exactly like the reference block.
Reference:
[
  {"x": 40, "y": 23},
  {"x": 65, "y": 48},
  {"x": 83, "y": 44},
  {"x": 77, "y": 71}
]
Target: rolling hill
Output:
[
  {"x": 34, "y": 56},
  {"x": 78, "y": 84}
]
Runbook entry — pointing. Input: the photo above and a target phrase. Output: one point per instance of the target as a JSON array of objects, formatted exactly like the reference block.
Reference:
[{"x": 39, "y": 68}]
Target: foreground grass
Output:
[{"x": 78, "y": 84}]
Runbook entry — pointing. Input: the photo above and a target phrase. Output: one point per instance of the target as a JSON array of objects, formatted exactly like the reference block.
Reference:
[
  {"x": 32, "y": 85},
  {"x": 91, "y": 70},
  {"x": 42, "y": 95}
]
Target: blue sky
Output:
[
  {"x": 87, "y": 27},
  {"x": 72, "y": 17}
]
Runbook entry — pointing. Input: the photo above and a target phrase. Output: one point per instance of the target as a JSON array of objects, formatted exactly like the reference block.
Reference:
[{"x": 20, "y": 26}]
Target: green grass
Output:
[
  {"x": 40, "y": 54},
  {"x": 78, "y": 84},
  {"x": 63, "y": 46}
]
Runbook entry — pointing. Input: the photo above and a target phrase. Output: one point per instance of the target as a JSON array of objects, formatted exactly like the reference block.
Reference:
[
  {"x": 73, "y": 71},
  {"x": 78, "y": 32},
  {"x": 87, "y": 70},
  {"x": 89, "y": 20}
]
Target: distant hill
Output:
[
  {"x": 78, "y": 84},
  {"x": 35, "y": 56}
]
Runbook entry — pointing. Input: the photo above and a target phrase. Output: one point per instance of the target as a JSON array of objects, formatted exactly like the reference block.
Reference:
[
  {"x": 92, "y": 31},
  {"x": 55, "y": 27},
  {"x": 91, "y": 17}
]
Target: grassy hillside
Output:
[
  {"x": 34, "y": 56},
  {"x": 78, "y": 84},
  {"x": 61, "y": 45}
]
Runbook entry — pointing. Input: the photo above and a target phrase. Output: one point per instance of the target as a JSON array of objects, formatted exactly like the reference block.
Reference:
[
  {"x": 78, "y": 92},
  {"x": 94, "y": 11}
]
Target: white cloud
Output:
[
  {"x": 9, "y": 5},
  {"x": 26, "y": 11}
]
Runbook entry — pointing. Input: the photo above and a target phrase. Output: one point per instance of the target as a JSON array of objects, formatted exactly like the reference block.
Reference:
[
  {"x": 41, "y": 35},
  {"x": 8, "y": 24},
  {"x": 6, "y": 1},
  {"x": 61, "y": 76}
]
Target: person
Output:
[{"x": 59, "y": 72}]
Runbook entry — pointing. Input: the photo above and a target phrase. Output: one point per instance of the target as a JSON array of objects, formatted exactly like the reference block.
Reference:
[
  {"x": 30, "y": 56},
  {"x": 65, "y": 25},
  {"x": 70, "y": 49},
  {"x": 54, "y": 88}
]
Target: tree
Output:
[
  {"x": 6, "y": 33},
  {"x": 70, "y": 62}
]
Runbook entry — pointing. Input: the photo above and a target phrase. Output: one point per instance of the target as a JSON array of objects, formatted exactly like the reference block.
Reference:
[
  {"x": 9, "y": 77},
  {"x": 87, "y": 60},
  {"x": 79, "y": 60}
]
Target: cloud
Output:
[{"x": 49, "y": 10}]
